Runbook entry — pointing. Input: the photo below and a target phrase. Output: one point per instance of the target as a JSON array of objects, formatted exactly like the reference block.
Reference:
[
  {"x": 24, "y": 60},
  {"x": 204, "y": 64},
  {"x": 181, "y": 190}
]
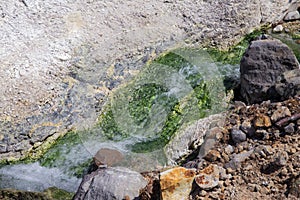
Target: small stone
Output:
[
  {"x": 284, "y": 172},
  {"x": 229, "y": 170},
  {"x": 287, "y": 30},
  {"x": 281, "y": 112},
  {"x": 262, "y": 121},
  {"x": 208, "y": 178},
  {"x": 203, "y": 193},
  {"x": 107, "y": 157},
  {"x": 238, "y": 135},
  {"x": 290, "y": 128},
  {"x": 227, "y": 182},
  {"x": 281, "y": 158},
  {"x": 213, "y": 155},
  {"x": 228, "y": 149},
  {"x": 293, "y": 15},
  {"x": 248, "y": 128},
  {"x": 268, "y": 149},
  {"x": 293, "y": 150},
  {"x": 278, "y": 29}
]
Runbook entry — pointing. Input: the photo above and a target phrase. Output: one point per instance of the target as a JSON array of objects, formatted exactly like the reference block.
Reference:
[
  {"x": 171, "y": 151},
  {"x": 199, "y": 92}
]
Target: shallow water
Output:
[{"x": 175, "y": 85}]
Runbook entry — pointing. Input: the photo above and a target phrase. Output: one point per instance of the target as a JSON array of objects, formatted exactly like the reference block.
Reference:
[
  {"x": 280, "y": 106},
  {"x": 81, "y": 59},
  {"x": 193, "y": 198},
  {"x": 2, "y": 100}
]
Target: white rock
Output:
[
  {"x": 294, "y": 15},
  {"x": 278, "y": 29}
]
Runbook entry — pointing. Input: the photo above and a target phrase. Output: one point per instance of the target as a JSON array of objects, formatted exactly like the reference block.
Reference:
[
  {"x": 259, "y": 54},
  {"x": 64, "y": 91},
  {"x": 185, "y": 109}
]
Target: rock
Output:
[
  {"x": 290, "y": 128},
  {"x": 278, "y": 29},
  {"x": 263, "y": 62},
  {"x": 238, "y": 136},
  {"x": 107, "y": 157},
  {"x": 262, "y": 121},
  {"x": 177, "y": 183},
  {"x": 153, "y": 189},
  {"x": 228, "y": 149},
  {"x": 213, "y": 155},
  {"x": 293, "y": 15},
  {"x": 237, "y": 159},
  {"x": 288, "y": 84},
  {"x": 281, "y": 112},
  {"x": 190, "y": 138},
  {"x": 247, "y": 127},
  {"x": 208, "y": 178},
  {"x": 111, "y": 183},
  {"x": 281, "y": 159}
]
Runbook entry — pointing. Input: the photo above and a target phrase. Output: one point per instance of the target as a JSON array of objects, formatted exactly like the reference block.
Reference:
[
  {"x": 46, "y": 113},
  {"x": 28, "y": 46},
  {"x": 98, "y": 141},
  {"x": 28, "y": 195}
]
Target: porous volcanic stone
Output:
[{"x": 263, "y": 63}]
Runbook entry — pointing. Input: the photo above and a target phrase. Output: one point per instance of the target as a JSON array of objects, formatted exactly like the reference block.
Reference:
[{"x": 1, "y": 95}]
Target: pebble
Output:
[
  {"x": 281, "y": 112},
  {"x": 278, "y": 29},
  {"x": 281, "y": 158},
  {"x": 238, "y": 135},
  {"x": 213, "y": 155},
  {"x": 262, "y": 121},
  {"x": 247, "y": 127},
  {"x": 290, "y": 128},
  {"x": 228, "y": 149}
]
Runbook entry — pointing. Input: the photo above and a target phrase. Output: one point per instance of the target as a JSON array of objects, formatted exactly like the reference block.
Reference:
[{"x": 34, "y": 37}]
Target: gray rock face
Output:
[
  {"x": 238, "y": 136},
  {"x": 110, "y": 183},
  {"x": 192, "y": 137},
  {"x": 288, "y": 84},
  {"x": 262, "y": 64}
]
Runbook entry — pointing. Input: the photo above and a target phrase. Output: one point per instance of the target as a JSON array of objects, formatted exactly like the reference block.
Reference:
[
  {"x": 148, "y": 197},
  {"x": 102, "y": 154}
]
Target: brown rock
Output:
[
  {"x": 176, "y": 183},
  {"x": 107, "y": 157},
  {"x": 262, "y": 121},
  {"x": 281, "y": 112}
]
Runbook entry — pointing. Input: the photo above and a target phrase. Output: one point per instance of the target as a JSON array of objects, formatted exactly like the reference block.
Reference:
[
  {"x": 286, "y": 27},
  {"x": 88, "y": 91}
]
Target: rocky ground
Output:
[{"x": 261, "y": 157}]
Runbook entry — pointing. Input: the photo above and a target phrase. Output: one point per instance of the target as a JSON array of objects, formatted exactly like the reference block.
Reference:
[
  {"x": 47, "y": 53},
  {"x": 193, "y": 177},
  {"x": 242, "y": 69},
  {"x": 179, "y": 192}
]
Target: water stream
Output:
[{"x": 138, "y": 119}]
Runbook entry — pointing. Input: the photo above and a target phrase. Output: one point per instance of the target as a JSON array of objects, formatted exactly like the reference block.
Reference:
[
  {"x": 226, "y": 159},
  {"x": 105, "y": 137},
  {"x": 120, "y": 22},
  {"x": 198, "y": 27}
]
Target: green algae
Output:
[{"x": 234, "y": 54}]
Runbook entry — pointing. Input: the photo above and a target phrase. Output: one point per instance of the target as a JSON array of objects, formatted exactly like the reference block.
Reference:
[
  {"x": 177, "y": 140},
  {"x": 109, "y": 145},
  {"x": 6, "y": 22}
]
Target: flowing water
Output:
[{"x": 138, "y": 119}]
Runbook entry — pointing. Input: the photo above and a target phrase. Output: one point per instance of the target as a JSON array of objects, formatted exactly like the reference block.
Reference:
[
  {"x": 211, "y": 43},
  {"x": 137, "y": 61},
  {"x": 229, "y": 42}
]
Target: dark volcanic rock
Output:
[
  {"x": 262, "y": 65},
  {"x": 111, "y": 183}
]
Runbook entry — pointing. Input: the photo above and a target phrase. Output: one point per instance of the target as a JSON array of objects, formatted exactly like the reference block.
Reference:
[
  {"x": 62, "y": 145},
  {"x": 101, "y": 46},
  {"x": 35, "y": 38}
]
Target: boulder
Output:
[
  {"x": 263, "y": 63},
  {"x": 111, "y": 183}
]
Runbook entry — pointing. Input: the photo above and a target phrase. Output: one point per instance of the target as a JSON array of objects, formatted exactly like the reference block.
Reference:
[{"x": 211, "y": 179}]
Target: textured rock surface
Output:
[
  {"x": 262, "y": 64},
  {"x": 111, "y": 183},
  {"x": 107, "y": 157},
  {"x": 60, "y": 59},
  {"x": 176, "y": 183},
  {"x": 190, "y": 138}
]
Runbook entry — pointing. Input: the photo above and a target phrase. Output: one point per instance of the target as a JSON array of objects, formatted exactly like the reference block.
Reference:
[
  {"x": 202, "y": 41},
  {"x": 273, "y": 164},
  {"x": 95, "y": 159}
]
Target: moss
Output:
[
  {"x": 235, "y": 53},
  {"x": 143, "y": 99},
  {"x": 60, "y": 155},
  {"x": 109, "y": 126}
]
